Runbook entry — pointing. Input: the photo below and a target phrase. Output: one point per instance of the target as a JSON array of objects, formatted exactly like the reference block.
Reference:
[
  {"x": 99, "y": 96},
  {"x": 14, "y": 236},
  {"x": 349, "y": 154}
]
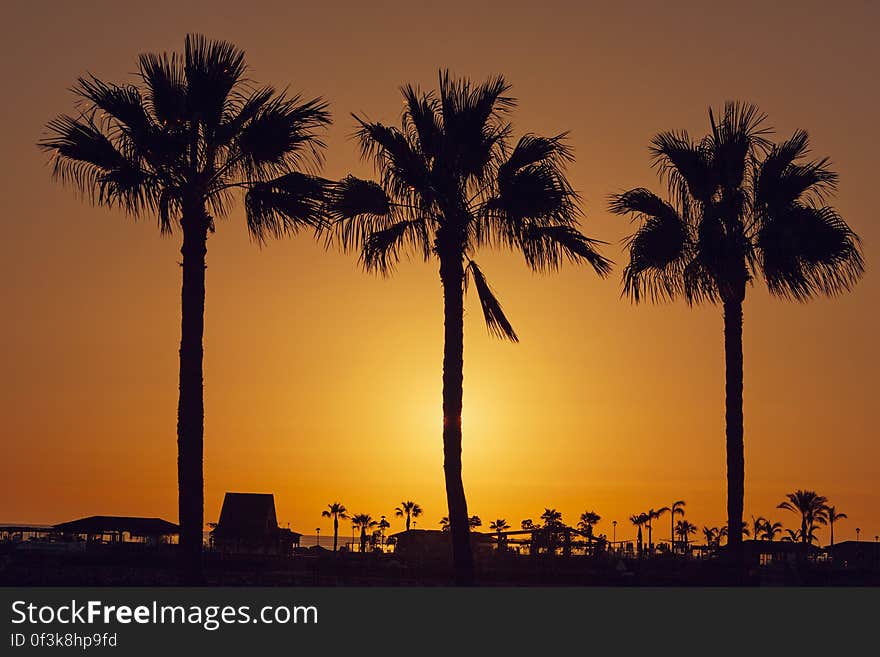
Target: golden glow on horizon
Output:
[{"x": 323, "y": 383}]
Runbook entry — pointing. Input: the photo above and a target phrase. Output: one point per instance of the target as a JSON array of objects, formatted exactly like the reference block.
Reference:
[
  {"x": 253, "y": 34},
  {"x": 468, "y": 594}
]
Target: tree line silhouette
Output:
[
  {"x": 191, "y": 132},
  {"x": 813, "y": 509}
]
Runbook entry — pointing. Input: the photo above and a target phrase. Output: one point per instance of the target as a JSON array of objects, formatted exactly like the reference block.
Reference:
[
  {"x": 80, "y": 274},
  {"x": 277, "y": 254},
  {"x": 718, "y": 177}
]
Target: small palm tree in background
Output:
[
  {"x": 409, "y": 510},
  {"x": 677, "y": 509},
  {"x": 474, "y": 522},
  {"x": 653, "y": 515},
  {"x": 638, "y": 520},
  {"x": 499, "y": 526},
  {"x": 444, "y": 523},
  {"x": 713, "y": 537},
  {"x": 758, "y": 526},
  {"x": 586, "y": 522},
  {"x": 452, "y": 181},
  {"x": 812, "y": 509},
  {"x": 739, "y": 207},
  {"x": 833, "y": 516},
  {"x": 176, "y": 143},
  {"x": 337, "y": 512},
  {"x": 528, "y": 525},
  {"x": 792, "y": 536},
  {"x": 683, "y": 530},
  {"x": 770, "y": 530},
  {"x": 364, "y": 522},
  {"x": 382, "y": 526}
]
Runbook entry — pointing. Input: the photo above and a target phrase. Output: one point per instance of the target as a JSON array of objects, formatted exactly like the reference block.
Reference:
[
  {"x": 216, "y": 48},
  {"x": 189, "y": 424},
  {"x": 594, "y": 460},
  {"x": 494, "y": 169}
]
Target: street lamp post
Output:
[
  {"x": 318, "y": 530},
  {"x": 614, "y": 531},
  {"x": 858, "y": 532}
]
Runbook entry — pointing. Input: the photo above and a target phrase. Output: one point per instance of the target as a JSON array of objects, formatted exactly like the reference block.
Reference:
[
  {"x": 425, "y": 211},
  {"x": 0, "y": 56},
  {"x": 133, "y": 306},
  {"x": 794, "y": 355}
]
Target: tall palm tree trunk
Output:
[
  {"x": 831, "y": 522},
  {"x": 190, "y": 408},
  {"x": 407, "y": 521},
  {"x": 733, "y": 355},
  {"x": 335, "y": 531},
  {"x": 452, "y": 277}
]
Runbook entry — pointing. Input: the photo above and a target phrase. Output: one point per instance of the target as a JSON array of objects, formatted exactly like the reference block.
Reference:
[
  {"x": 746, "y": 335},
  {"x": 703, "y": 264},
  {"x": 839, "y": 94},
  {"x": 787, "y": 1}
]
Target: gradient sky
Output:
[{"x": 322, "y": 383}]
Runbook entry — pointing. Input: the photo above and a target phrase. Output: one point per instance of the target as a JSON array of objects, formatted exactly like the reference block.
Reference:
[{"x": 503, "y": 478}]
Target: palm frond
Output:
[
  {"x": 83, "y": 155},
  {"x": 735, "y": 139},
  {"x": 212, "y": 70},
  {"x": 659, "y": 250},
  {"x": 684, "y": 164},
  {"x": 397, "y": 161},
  {"x": 475, "y": 127},
  {"x": 284, "y": 205},
  {"x": 283, "y": 134},
  {"x": 546, "y": 247},
  {"x": 421, "y": 121},
  {"x": 123, "y": 103},
  {"x": 782, "y": 179},
  {"x": 382, "y": 248},
  {"x": 496, "y": 321},
  {"x": 165, "y": 80},
  {"x": 357, "y": 208},
  {"x": 808, "y": 250}
]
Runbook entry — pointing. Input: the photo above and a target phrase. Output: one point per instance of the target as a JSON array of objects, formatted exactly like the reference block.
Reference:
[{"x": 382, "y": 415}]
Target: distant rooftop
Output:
[{"x": 107, "y": 524}]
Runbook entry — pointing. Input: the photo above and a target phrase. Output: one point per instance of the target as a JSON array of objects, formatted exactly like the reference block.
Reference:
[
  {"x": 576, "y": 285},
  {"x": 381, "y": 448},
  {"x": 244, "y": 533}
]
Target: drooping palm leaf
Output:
[{"x": 496, "y": 320}]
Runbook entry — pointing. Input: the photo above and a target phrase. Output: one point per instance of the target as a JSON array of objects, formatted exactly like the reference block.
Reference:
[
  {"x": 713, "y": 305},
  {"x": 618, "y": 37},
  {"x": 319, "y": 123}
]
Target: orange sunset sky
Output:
[{"x": 322, "y": 383}]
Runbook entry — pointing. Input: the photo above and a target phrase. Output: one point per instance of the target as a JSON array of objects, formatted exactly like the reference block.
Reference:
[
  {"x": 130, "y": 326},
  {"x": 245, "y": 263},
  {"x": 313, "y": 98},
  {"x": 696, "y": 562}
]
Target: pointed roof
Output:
[{"x": 247, "y": 514}]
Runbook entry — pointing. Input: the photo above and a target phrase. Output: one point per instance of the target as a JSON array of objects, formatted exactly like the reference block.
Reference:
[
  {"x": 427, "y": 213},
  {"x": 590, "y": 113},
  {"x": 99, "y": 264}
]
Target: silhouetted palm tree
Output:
[
  {"x": 499, "y": 526},
  {"x": 677, "y": 509},
  {"x": 451, "y": 182},
  {"x": 382, "y": 525},
  {"x": 177, "y": 143},
  {"x": 364, "y": 522},
  {"x": 639, "y": 520},
  {"x": 683, "y": 529},
  {"x": 713, "y": 536},
  {"x": 474, "y": 522},
  {"x": 792, "y": 536},
  {"x": 409, "y": 510},
  {"x": 812, "y": 508},
  {"x": 725, "y": 531},
  {"x": 740, "y": 207},
  {"x": 551, "y": 517},
  {"x": 586, "y": 522},
  {"x": 653, "y": 515},
  {"x": 337, "y": 511},
  {"x": 757, "y": 526},
  {"x": 444, "y": 523},
  {"x": 833, "y": 516},
  {"x": 770, "y": 530},
  {"x": 528, "y": 525}
]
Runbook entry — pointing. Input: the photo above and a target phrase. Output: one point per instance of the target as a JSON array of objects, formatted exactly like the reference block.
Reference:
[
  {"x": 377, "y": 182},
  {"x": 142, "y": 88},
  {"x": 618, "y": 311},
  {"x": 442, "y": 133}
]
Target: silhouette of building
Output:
[
  {"x": 859, "y": 555},
  {"x": 248, "y": 525},
  {"x": 423, "y": 546},
  {"x": 120, "y": 529}
]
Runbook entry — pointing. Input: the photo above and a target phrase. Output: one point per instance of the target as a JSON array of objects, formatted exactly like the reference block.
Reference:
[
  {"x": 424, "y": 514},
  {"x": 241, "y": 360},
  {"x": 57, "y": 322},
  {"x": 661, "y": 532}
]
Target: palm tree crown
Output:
[
  {"x": 499, "y": 525},
  {"x": 813, "y": 509},
  {"x": 739, "y": 206},
  {"x": 409, "y": 510},
  {"x": 185, "y": 135},
  {"x": 337, "y": 512}
]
